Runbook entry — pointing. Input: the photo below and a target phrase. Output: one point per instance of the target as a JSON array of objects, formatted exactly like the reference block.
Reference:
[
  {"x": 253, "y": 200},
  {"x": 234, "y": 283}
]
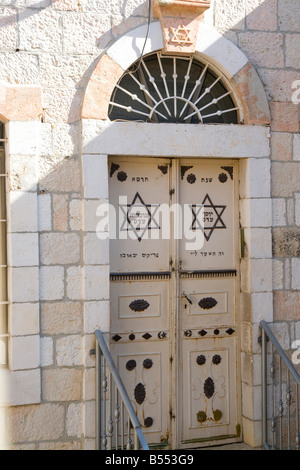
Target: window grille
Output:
[
  {"x": 162, "y": 88},
  {"x": 3, "y": 257}
]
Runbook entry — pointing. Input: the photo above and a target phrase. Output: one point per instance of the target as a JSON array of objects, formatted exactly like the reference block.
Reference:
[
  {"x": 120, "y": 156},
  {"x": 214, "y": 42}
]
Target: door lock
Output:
[{"x": 187, "y": 298}]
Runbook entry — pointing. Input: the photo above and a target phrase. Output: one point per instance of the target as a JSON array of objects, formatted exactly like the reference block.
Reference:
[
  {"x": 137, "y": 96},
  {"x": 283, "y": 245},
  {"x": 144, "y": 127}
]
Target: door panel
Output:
[
  {"x": 140, "y": 306},
  {"x": 209, "y": 184},
  {"x": 142, "y": 368},
  {"x": 138, "y": 190},
  {"x": 209, "y": 303},
  {"x": 140, "y": 290},
  {"x": 208, "y": 386}
]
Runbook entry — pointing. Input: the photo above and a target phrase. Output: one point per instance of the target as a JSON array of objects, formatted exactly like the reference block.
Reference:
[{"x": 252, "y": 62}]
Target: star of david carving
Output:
[
  {"x": 212, "y": 217},
  {"x": 139, "y": 217},
  {"x": 180, "y": 35}
]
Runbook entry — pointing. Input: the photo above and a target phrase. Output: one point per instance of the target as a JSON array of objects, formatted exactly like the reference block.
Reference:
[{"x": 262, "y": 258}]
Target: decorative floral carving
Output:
[
  {"x": 216, "y": 359},
  {"x": 201, "y": 360},
  {"x": 148, "y": 363},
  {"x": 148, "y": 422},
  {"x": 223, "y": 178},
  {"x": 139, "y": 305},
  {"x": 207, "y": 303},
  {"x": 140, "y": 393},
  {"x": 209, "y": 387},
  {"x": 217, "y": 415},
  {"x": 131, "y": 364},
  {"x": 191, "y": 178},
  {"x": 122, "y": 176},
  {"x": 201, "y": 416}
]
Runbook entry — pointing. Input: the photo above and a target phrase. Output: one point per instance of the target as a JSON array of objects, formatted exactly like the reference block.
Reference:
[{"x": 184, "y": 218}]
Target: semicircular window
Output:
[{"x": 172, "y": 89}]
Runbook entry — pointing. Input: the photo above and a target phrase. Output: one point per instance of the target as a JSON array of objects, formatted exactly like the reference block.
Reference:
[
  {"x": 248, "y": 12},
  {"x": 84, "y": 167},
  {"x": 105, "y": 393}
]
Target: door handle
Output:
[{"x": 187, "y": 298}]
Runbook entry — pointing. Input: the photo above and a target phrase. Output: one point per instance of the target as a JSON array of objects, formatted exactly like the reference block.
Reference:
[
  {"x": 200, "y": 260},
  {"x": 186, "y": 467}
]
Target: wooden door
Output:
[
  {"x": 140, "y": 290},
  {"x": 173, "y": 309},
  {"x": 207, "y": 369}
]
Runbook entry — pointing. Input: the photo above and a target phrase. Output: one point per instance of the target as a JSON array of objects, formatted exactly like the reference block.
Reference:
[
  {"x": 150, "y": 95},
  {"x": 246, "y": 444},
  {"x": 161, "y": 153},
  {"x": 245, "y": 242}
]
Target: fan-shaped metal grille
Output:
[{"x": 172, "y": 89}]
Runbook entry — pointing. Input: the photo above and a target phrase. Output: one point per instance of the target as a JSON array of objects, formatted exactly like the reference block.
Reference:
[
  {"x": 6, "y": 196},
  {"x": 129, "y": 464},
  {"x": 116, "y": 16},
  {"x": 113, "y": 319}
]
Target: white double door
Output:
[{"x": 174, "y": 294}]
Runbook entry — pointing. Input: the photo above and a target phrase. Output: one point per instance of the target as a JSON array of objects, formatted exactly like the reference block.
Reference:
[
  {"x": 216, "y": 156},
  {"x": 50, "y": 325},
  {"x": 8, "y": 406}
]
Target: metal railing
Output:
[
  {"x": 117, "y": 426},
  {"x": 280, "y": 395}
]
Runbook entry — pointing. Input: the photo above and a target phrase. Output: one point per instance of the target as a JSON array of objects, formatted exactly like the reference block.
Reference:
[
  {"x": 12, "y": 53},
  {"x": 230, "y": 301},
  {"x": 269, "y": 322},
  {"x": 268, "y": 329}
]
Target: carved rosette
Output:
[{"x": 180, "y": 23}]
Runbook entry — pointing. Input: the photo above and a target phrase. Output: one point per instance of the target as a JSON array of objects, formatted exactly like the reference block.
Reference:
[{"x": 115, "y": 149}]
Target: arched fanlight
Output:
[{"x": 172, "y": 89}]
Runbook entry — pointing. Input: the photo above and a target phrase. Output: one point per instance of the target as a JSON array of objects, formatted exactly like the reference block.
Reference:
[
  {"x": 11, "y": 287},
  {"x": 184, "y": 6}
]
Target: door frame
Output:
[{"x": 255, "y": 265}]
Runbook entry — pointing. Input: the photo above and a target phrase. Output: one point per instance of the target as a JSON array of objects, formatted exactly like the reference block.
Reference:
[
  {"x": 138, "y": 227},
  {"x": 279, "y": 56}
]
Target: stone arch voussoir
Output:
[{"x": 20, "y": 103}]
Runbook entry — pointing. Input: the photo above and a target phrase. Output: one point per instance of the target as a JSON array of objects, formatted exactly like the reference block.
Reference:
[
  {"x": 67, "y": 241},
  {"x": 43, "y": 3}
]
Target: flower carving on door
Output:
[
  {"x": 145, "y": 389},
  {"x": 208, "y": 387}
]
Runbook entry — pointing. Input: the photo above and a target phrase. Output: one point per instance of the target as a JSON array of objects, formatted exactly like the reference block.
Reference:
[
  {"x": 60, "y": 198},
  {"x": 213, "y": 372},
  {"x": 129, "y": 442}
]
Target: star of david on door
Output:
[
  {"x": 212, "y": 217},
  {"x": 139, "y": 217}
]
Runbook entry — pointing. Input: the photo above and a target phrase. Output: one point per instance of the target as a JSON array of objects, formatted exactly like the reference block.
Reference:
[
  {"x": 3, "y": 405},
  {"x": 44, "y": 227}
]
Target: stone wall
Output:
[
  {"x": 269, "y": 35},
  {"x": 54, "y": 45},
  {"x": 268, "y": 32}
]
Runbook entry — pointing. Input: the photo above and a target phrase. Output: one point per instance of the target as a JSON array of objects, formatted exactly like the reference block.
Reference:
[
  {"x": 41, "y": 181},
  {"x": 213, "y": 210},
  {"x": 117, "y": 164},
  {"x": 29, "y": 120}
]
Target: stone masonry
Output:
[{"x": 54, "y": 45}]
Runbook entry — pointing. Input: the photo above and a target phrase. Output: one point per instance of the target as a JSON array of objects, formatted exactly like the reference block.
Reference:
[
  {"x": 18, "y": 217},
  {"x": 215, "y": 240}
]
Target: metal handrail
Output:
[
  {"x": 267, "y": 334},
  {"x": 104, "y": 441}
]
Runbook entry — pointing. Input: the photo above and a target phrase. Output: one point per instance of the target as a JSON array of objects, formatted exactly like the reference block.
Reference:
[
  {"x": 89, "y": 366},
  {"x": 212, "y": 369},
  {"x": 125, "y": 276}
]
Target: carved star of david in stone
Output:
[
  {"x": 139, "y": 217},
  {"x": 180, "y": 35},
  {"x": 211, "y": 217}
]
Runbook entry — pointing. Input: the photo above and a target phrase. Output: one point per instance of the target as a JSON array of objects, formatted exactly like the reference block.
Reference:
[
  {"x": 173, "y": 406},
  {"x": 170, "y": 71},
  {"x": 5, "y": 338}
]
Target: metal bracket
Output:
[{"x": 259, "y": 339}]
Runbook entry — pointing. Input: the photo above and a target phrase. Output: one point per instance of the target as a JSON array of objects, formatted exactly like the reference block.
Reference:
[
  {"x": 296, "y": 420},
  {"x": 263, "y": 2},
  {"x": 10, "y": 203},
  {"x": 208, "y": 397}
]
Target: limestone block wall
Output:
[
  {"x": 56, "y": 267},
  {"x": 268, "y": 32}
]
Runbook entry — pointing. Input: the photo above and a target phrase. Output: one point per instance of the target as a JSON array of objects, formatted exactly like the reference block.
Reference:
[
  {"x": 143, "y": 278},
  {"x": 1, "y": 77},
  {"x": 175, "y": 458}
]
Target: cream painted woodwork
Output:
[{"x": 174, "y": 328}]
